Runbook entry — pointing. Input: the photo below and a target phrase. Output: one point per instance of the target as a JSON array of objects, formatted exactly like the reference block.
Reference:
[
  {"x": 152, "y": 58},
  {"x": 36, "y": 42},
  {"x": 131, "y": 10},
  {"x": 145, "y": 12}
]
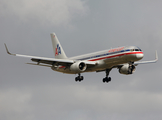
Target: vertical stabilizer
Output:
[{"x": 57, "y": 48}]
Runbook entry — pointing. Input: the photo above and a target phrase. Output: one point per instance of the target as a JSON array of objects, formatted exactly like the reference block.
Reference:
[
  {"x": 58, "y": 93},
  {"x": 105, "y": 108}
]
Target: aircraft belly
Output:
[
  {"x": 67, "y": 71},
  {"x": 116, "y": 60},
  {"x": 131, "y": 57},
  {"x": 100, "y": 66}
]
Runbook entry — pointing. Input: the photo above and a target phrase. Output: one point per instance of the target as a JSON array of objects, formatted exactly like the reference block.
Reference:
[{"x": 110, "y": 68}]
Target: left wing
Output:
[
  {"x": 140, "y": 62},
  {"x": 146, "y": 62},
  {"x": 48, "y": 61}
]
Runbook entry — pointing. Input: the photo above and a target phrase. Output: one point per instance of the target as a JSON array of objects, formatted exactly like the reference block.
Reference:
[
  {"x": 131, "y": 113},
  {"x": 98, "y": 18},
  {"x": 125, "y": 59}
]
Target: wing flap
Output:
[
  {"x": 39, "y": 64},
  {"x": 43, "y": 61}
]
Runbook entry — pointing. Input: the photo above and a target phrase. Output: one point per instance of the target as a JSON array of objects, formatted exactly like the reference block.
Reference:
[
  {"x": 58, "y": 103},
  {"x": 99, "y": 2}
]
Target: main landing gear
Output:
[
  {"x": 107, "y": 79},
  {"x": 79, "y": 78}
]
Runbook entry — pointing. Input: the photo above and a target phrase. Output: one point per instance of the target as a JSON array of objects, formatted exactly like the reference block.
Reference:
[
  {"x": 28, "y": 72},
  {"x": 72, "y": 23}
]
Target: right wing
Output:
[
  {"x": 49, "y": 61},
  {"x": 44, "y": 60}
]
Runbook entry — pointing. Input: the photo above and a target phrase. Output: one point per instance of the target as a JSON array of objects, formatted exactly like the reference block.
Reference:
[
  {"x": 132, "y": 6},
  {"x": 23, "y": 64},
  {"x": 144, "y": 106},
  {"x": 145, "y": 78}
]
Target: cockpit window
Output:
[
  {"x": 139, "y": 49},
  {"x": 135, "y": 50}
]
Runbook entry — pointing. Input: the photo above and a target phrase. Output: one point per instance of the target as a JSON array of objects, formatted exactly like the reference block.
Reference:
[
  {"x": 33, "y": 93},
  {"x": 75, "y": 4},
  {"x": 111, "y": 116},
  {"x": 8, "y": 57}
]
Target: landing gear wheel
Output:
[
  {"x": 76, "y": 79},
  {"x": 107, "y": 79},
  {"x": 79, "y": 78},
  {"x": 103, "y": 80}
]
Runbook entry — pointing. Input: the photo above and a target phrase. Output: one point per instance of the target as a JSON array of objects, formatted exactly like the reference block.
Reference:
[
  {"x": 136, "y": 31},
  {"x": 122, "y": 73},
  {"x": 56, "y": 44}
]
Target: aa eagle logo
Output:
[{"x": 58, "y": 50}]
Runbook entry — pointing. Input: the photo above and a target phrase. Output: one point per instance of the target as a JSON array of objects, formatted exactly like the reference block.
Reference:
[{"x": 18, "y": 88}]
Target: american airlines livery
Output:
[{"x": 123, "y": 58}]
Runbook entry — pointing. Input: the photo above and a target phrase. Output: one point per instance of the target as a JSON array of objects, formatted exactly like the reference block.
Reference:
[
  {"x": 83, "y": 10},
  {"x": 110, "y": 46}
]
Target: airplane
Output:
[{"x": 124, "y": 58}]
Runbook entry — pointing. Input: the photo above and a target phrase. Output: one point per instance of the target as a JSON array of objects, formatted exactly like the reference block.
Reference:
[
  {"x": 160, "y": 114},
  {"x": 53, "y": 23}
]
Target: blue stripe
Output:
[{"x": 97, "y": 56}]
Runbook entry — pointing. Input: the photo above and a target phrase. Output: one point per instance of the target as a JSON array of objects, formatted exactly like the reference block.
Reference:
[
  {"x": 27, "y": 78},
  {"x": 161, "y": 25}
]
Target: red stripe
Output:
[
  {"x": 134, "y": 53},
  {"x": 62, "y": 67},
  {"x": 116, "y": 55}
]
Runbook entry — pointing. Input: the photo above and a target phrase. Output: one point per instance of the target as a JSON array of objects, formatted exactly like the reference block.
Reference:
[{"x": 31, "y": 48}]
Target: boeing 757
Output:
[{"x": 124, "y": 58}]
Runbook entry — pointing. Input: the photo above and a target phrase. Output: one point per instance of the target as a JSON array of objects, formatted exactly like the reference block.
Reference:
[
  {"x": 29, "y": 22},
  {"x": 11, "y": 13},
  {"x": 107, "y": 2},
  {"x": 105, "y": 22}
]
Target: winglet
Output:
[
  {"x": 156, "y": 56},
  {"x": 8, "y": 50}
]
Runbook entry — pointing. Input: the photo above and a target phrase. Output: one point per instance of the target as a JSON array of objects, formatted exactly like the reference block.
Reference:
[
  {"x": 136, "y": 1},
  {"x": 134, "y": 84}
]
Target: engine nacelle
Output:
[
  {"x": 78, "y": 67},
  {"x": 127, "y": 69}
]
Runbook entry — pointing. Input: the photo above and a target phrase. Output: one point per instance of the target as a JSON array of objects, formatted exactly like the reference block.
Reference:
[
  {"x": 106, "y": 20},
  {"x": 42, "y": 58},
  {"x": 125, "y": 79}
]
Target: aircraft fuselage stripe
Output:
[{"x": 115, "y": 56}]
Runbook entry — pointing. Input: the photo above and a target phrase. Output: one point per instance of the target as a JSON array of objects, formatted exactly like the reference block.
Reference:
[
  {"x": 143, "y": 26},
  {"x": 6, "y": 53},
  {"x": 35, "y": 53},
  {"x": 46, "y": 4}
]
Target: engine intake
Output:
[
  {"x": 78, "y": 67},
  {"x": 127, "y": 69}
]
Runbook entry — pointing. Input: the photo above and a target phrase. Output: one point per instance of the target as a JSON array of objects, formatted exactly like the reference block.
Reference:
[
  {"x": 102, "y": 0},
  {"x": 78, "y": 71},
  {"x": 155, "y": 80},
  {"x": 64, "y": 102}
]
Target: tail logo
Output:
[{"x": 58, "y": 50}]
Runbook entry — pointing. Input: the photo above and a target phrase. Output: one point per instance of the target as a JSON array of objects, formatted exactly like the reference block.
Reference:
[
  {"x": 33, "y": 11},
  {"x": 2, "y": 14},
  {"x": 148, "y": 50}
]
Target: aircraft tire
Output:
[
  {"x": 109, "y": 79},
  {"x": 106, "y": 79},
  {"x": 76, "y": 79},
  {"x": 79, "y": 78}
]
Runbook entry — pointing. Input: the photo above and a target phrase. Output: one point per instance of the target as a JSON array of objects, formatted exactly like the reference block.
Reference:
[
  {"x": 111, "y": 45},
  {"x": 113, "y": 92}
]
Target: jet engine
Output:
[
  {"x": 78, "y": 67},
  {"x": 127, "y": 69}
]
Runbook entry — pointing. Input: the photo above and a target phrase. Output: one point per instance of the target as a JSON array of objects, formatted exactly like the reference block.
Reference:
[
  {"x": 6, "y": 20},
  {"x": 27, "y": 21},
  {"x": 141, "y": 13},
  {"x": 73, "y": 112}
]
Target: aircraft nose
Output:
[{"x": 139, "y": 56}]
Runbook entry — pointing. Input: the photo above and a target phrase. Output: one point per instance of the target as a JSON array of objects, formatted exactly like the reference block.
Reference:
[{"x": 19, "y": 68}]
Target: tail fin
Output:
[{"x": 57, "y": 48}]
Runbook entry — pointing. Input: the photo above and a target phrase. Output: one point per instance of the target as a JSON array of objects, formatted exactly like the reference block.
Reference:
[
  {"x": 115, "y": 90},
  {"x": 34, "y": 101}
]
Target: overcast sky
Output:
[{"x": 82, "y": 26}]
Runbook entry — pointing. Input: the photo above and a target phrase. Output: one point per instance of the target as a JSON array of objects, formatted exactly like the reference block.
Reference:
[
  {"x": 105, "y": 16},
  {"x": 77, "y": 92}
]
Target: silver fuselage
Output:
[{"x": 106, "y": 59}]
